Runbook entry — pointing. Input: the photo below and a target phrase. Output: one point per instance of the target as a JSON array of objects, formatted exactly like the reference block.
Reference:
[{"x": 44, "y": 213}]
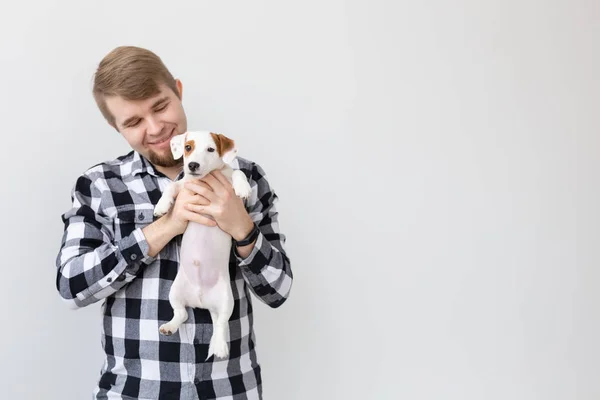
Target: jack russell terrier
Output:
[{"x": 202, "y": 279}]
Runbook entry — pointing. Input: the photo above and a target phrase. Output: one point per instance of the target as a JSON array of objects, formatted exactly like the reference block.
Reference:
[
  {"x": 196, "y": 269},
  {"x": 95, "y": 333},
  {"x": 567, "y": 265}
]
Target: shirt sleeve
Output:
[
  {"x": 267, "y": 268},
  {"x": 90, "y": 264}
]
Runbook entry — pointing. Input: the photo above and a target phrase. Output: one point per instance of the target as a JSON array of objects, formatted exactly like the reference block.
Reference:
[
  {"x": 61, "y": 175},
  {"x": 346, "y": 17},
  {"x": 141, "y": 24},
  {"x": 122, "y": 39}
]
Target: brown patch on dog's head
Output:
[
  {"x": 223, "y": 143},
  {"x": 192, "y": 146}
]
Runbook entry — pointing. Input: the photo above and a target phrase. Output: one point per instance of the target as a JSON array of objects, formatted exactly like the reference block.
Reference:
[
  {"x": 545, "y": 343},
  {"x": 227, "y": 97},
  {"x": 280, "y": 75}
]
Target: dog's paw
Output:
[
  {"x": 240, "y": 184},
  {"x": 242, "y": 188},
  {"x": 162, "y": 208},
  {"x": 167, "y": 329},
  {"x": 218, "y": 346}
]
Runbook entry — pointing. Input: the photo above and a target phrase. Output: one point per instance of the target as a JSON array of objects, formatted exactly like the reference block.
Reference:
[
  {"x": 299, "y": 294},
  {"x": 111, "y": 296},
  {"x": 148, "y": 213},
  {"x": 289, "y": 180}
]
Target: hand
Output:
[
  {"x": 224, "y": 206},
  {"x": 178, "y": 217}
]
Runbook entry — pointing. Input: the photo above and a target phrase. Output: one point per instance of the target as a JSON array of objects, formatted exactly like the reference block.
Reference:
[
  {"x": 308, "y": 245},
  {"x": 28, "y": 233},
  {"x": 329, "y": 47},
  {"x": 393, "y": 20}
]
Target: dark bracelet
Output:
[{"x": 248, "y": 239}]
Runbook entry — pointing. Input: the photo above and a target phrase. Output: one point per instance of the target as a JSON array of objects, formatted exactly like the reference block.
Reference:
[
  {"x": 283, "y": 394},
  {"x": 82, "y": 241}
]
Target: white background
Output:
[{"x": 437, "y": 164}]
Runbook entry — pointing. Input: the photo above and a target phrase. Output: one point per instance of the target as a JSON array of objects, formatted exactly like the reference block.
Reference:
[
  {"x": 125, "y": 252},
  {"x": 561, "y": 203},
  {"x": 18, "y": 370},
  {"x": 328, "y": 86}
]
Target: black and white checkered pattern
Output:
[{"x": 104, "y": 257}]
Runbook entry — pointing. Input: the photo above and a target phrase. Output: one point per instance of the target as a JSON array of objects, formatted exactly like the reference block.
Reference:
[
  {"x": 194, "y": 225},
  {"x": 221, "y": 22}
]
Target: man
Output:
[{"x": 113, "y": 249}]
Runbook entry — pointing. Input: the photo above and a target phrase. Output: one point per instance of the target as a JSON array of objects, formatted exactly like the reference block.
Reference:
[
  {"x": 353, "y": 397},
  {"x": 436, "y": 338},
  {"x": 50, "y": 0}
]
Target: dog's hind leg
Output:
[{"x": 219, "y": 341}]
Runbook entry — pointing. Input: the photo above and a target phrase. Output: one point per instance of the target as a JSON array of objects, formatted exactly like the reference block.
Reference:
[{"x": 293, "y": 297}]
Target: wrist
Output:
[
  {"x": 167, "y": 226},
  {"x": 243, "y": 230},
  {"x": 157, "y": 235}
]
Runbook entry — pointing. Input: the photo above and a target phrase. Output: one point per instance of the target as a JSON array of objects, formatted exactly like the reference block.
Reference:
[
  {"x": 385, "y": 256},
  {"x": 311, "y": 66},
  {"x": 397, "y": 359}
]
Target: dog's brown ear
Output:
[{"x": 225, "y": 147}]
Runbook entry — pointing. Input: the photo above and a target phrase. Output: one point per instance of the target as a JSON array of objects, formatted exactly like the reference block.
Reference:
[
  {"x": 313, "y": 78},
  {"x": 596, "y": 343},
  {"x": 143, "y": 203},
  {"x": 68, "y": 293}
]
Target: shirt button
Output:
[
  {"x": 141, "y": 217},
  {"x": 196, "y": 381},
  {"x": 109, "y": 280},
  {"x": 133, "y": 256}
]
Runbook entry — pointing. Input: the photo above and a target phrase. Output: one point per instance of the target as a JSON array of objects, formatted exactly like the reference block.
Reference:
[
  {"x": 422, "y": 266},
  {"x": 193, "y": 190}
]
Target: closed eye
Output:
[
  {"x": 134, "y": 123},
  {"x": 161, "y": 108}
]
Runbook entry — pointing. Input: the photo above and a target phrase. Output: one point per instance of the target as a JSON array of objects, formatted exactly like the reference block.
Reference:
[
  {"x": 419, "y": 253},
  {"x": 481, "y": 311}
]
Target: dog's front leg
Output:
[
  {"x": 167, "y": 199},
  {"x": 240, "y": 184},
  {"x": 178, "y": 303}
]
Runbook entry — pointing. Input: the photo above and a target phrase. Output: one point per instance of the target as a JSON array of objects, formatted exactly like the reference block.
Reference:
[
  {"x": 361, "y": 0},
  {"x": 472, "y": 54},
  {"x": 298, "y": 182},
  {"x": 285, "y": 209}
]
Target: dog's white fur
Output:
[{"x": 202, "y": 280}]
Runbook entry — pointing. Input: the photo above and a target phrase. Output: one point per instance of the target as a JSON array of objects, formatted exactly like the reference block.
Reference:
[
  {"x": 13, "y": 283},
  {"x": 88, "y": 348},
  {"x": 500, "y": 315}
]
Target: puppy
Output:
[{"x": 202, "y": 279}]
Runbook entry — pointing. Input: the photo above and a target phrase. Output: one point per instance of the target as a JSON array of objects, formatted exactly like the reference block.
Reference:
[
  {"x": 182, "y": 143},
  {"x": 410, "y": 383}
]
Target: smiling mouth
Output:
[{"x": 161, "y": 141}]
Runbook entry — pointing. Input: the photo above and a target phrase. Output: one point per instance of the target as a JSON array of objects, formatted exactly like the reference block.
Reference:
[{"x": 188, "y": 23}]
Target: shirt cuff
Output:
[
  {"x": 134, "y": 249},
  {"x": 258, "y": 257}
]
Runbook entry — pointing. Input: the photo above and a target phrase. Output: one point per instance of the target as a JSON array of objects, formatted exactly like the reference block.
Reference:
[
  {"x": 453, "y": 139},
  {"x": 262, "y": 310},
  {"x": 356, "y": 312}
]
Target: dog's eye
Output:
[
  {"x": 188, "y": 147},
  {"x": 210, "y": 149}
]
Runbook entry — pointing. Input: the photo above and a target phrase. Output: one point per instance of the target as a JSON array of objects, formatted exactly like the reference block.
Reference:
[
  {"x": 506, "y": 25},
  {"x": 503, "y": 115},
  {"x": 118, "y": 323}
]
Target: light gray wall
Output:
[{"x": 437, "y": 164}]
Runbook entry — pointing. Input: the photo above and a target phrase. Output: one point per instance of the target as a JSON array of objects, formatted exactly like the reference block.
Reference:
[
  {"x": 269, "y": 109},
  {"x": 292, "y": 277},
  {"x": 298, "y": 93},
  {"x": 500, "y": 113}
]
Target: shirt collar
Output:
[{"x": 141, "y": 165}]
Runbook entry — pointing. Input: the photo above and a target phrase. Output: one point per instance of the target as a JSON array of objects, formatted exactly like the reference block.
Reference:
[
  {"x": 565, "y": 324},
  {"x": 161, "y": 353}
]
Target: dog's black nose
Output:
[{"x": 193, "y": 166}]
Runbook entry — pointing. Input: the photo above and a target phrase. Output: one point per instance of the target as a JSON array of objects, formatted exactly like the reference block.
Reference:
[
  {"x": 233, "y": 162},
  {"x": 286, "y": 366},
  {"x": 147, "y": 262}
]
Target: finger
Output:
[
  {"x": 201, "y": 209},
  {"x": 221, "y": 178},
  {"x": 199, "y": 182},
  {"x": 200, "y": 200},
  {"x": 214, "y": 184},
  {"x": 200, "y": 219},
  {"x": 187, "y": 196},
  {"x": 196, "y": 199},
  {"x": 201, "y": 190}
]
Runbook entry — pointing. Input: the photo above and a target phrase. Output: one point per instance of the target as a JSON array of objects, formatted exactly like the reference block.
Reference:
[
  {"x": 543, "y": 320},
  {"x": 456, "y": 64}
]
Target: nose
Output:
[
  {"x": 154, "y": 127},
  {"x": 193, "y": 166}
]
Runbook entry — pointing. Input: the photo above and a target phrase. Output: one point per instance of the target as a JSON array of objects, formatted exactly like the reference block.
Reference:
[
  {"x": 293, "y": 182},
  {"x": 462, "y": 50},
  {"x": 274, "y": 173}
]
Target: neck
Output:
[{"x": 171, "y": 172}]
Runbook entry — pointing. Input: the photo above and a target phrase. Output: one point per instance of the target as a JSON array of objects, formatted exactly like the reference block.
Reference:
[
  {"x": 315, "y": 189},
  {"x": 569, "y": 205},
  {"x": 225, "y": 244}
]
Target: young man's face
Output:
[{"x": 148, "y": 125}]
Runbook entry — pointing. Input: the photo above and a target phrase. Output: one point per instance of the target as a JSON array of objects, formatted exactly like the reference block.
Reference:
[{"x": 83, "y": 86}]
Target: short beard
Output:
[{"x": 165, "y": 161}]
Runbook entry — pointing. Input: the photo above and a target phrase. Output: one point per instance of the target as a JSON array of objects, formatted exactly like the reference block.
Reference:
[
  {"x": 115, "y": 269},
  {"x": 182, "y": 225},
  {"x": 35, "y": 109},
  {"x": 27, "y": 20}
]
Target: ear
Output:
[
  {"x": 177, "y": 146},
  {"x": 225, "y": 147},
  {"x": 179, "y": 88}
]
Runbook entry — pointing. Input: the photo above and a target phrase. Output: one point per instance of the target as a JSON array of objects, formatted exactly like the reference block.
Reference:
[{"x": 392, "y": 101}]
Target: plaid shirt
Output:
[{"x": 104, "y": 257}]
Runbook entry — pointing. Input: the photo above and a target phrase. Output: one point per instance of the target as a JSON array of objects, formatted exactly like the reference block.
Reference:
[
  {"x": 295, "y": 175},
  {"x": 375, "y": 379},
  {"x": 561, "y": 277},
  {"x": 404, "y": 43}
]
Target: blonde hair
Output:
[{"x": 132, "y": 73}]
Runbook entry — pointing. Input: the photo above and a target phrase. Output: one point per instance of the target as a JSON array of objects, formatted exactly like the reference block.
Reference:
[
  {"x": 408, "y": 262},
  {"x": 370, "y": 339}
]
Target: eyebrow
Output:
[{"x": 156, "y": 104}]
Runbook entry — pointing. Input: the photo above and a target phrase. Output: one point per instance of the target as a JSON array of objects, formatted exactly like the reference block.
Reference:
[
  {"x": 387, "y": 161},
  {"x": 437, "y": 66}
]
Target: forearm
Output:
[
  {"x": 158, "y": 234},
  {"x": 244, "y": 251},
  {"x": 242, "y": 232},
  {"x": 267, "y": 269},
  {"x": 87, "y": 275},
  {"x": 264, "y": 264},
  {"x": 91, "y": 264}
]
